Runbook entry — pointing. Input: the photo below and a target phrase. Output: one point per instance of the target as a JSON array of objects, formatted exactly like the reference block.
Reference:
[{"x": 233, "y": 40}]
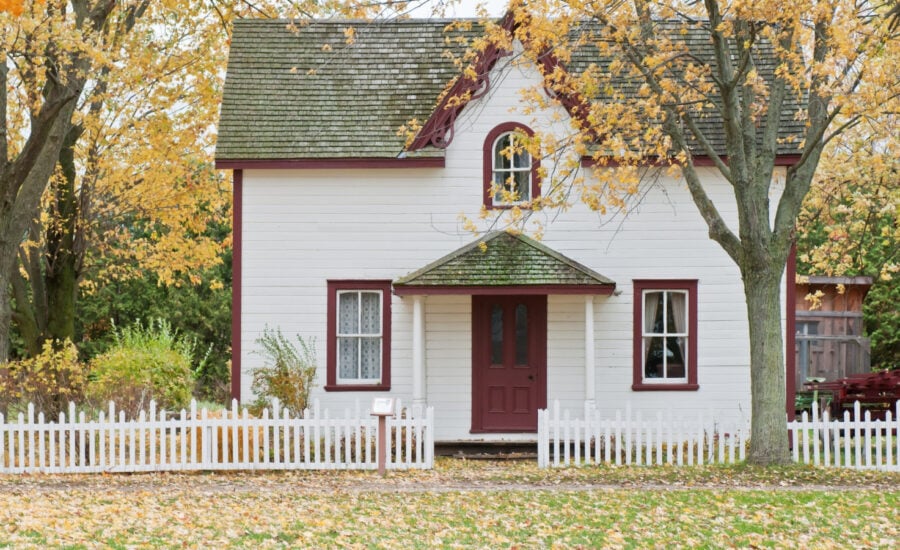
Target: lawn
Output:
[{"x": 459, "y": 504}]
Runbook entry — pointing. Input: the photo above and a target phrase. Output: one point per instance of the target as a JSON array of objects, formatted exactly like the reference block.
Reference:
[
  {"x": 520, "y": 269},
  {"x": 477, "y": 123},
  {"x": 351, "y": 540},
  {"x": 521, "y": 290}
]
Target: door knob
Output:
[{"x": 531, "y": 377}]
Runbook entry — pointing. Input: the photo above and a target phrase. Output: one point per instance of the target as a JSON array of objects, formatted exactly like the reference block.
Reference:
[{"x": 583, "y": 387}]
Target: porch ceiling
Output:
[{"x": 506, "y": 264}]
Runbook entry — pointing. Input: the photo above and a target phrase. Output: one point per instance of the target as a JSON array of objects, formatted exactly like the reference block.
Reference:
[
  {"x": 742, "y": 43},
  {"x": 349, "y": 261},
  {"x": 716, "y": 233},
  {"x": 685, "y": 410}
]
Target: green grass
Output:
[{"x": 459, "y": 504}]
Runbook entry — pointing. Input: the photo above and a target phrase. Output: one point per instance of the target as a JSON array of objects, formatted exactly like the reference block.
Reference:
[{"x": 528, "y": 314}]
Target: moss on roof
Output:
[
  {"x": 504, "y": 260},
  {"x": 308, "y": 94}
]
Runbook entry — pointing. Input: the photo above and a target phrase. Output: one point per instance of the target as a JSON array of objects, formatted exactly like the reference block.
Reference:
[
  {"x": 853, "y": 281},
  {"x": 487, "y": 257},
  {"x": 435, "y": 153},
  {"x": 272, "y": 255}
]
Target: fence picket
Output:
[
  {"x": 857, "y": 442},
  {"x": 204, "y": 441}
]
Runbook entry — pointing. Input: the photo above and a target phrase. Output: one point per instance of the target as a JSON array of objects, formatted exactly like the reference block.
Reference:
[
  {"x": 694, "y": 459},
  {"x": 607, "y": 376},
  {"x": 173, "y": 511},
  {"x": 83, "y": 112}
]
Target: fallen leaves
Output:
[{"x": 459, "y": 504}]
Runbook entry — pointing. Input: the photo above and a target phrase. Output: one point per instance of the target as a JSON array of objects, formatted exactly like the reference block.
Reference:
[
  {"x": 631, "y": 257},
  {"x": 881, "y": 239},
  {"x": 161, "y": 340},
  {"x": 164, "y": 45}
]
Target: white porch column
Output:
[
  {"x": 590, "y": 387},
  {"x": 418, "y": 350}
]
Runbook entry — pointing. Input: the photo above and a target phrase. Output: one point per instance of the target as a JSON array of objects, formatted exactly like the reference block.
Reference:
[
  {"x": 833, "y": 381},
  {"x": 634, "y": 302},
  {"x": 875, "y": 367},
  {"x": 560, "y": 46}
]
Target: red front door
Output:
[{"x": 509, "y": 362}]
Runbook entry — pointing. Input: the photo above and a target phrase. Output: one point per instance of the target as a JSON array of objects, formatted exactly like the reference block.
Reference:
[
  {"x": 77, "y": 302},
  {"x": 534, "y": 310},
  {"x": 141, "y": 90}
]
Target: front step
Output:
[{"x": 487, "y": 450}]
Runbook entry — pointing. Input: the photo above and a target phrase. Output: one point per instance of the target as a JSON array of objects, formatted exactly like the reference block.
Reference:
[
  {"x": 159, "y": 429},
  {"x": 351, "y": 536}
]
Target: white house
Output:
[{"x": 345, "y": 234}]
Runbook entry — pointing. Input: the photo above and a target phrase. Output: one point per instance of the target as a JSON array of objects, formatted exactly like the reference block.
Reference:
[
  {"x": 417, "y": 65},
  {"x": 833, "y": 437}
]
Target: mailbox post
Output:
[{"x": 382, "y": 407}]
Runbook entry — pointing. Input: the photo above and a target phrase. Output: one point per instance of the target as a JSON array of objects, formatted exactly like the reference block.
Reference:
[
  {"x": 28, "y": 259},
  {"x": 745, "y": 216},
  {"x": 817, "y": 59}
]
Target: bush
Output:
[
  {"x": 49, "y": 380},
  {"x": 288, "y": 374},
  {"x": 143, "y": 364}
]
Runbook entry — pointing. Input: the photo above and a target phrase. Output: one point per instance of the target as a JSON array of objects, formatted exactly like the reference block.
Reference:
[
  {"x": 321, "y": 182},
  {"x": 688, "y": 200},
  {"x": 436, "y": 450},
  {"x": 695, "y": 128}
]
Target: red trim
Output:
[
  {"x": 438, "y": 129},
  {"x": 665, "y": 387},
  {"x": 331, "y": 346},
  {"x": 521, "y": 290},
  {"x": 237, "y": 216},
  {"x": 698, "y": 160},
  {"x": 338, "y": 163},
  {"x": 640, "y": 286},
  {"x": 487, "y": 165},
  {"x": 480, "y": 343},
  {"x": 790, "y": 332},
  {"x": 574, "y": 103}
]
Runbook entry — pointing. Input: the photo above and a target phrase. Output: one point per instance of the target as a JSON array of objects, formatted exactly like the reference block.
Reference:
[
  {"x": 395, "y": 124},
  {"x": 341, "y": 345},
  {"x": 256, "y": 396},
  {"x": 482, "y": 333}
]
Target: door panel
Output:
[{"x": 509, "y": 362}]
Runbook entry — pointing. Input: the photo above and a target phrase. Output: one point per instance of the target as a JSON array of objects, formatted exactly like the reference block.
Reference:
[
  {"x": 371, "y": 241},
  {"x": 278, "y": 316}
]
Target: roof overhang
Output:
[
  {"x": 498, "y": 290},
  {"x": 331, "y": 163}
]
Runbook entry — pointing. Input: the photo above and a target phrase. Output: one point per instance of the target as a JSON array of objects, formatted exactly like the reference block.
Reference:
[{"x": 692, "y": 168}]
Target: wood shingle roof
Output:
[
  {"x": 307, "y": 93},
  {"x": 505, "y": 260}
]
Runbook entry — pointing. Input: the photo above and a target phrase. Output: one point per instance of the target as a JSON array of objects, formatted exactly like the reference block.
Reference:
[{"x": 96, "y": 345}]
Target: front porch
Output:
[{"x": 499, "y": 330}]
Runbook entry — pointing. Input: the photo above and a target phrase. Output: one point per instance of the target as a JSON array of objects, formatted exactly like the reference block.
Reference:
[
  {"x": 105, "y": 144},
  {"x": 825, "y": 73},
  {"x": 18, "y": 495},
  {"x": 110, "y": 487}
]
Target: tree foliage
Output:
[
  {"x": 835, "y": 61},
  {"x": 850, "y": 225}
]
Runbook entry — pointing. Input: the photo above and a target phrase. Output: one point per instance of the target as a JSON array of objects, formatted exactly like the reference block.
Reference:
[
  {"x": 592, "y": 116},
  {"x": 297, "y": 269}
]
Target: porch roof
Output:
[{"x": 506, "y": 264}]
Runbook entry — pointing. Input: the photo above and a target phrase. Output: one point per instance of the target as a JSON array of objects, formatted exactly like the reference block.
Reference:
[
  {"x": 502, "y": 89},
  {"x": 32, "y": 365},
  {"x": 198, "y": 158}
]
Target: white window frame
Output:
[
  {"x": 646, "y": 336},
  {"x": 359, "y": 336},
  {"x": 496, "y": 196}
]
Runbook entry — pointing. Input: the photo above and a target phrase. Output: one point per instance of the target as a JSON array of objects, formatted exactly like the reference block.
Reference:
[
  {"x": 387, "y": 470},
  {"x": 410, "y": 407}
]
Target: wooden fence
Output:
[
  {"x": 855, "y": 441},
  {"x": 632, "y": 439},
  {"x": 217, "y": 440}
]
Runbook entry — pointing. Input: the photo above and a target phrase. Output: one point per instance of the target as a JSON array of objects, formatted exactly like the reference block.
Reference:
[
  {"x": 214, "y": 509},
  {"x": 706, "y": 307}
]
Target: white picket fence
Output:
[
  {"x": 632, "y": 439},
  {"x": 855, "y": 441},
  {"x": 218, "y": 440}
]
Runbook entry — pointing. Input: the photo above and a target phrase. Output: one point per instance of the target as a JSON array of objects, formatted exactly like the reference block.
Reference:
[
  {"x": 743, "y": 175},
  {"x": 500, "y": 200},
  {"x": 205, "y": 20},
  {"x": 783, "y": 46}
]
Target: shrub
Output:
[
  {"x": 49, "y": 380},
  {"x": 143, "y": 364},
  {"x": 288, "y": 373}
]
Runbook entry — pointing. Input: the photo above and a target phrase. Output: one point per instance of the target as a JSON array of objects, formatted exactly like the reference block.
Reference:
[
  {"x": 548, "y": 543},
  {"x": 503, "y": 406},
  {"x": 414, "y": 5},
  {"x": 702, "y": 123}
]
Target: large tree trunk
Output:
[
  {"x": 61, "y": 270},
  {"x": 762, "y": 288}
]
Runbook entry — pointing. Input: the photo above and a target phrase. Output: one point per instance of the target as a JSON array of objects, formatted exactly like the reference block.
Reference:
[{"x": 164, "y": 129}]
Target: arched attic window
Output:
[{"x": 510, "y": 172}]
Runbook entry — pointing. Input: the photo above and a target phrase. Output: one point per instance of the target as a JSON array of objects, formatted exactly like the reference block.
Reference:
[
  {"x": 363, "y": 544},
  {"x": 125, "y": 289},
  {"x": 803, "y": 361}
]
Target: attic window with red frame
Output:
[{"x": 509, "y": 170}]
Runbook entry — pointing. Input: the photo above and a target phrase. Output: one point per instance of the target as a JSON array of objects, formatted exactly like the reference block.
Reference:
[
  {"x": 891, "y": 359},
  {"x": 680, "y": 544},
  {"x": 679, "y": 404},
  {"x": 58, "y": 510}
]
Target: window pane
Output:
[
  {"x": 523, "y": 185},
  {"x": 348, "y": 357},
  {"x": 500, "y": 185},
  {"x": 371, "y": 359},
  {"x": 502, "y": 152},
  {"x": 677, "y": 322},
  {"x": 521, "y": 334},
  {"x": 653, "y": 313},
  {"x": 521, "y": 158},
  {"x": 675, "y": 357},
  {"x": 653, "y": 357},
  {"x": 348, "y": 313},
  {"x": 497, "y": 335},
  {"x": 371, "y": 313}
]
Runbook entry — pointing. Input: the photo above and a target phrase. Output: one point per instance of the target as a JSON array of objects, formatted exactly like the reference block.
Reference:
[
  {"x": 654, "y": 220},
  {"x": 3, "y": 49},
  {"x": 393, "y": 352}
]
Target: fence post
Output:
[{"x": 382, "y": 407}]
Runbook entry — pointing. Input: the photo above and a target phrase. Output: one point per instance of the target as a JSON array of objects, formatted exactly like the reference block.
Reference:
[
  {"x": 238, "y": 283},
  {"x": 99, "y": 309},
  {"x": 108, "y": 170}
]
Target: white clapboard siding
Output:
[
  {"x": 854, "y": 441},
  {"x": 630, "y": 438},
  {"x": 220, "y": 440}
]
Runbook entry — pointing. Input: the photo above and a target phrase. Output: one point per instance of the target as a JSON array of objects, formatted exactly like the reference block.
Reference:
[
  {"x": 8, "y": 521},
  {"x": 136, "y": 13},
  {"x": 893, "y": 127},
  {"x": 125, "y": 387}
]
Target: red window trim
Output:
[
  {"x": 488, "y": 164},
  {"x": 331, "y": 348},
  {"x": 640, "y": 286}
]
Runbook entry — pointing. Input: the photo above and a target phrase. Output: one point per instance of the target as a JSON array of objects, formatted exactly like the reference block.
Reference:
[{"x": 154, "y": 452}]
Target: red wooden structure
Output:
[{"x": 876, "y": 392}]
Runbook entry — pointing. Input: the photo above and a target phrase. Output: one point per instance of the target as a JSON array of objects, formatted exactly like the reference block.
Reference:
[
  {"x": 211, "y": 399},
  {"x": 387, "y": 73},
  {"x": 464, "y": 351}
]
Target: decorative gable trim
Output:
[{"x": 439, "y": 128}]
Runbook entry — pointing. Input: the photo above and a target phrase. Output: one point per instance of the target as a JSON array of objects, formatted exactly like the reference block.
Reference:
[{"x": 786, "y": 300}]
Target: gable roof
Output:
[
  {"x": 506, "y": 260},
  {"x": 307, "y": 94},
  {"x": 310, "y": 95}
]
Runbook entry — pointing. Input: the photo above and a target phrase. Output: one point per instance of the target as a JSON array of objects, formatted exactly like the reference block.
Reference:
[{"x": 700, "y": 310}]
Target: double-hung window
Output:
[
  {"x": 665, "y": 335},
  {"x": 358, "y": 335}
]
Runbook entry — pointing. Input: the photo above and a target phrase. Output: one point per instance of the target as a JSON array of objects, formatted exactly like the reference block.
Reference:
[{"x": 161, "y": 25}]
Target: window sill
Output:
[
  {"x": 358, "y": 387},
  {"x": 527, "y": 205},
  {"x": 665, "y": 387}
]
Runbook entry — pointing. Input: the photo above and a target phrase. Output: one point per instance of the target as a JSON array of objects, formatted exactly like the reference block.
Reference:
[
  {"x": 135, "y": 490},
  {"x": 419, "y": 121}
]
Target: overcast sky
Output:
[{"x": 467, "y": 8}]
